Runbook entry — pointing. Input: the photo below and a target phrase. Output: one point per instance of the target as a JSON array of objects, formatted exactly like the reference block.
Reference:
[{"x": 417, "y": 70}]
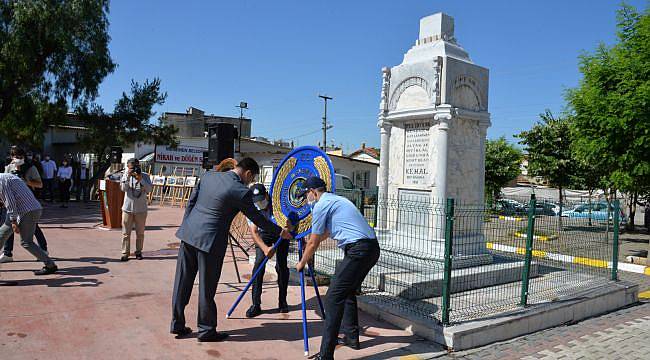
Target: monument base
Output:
[
  {"x": 411, "y": 278},
  {"x": 468, "y": 249},
  {"x": 507, "y": 325}
]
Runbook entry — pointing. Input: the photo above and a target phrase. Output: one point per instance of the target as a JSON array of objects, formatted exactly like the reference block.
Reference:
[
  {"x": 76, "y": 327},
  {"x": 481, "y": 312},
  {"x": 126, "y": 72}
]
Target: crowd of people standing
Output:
[{"x": 59, "y": 179}]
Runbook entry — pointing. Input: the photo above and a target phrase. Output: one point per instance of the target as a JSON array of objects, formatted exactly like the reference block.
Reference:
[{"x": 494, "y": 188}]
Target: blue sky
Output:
[{"x": 279, "y": 55}]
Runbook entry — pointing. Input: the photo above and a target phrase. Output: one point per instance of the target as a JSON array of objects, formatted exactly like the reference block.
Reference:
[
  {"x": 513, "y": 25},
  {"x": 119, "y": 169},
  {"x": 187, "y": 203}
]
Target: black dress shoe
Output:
[
  {"x": 351, "y": 343},
  {"x": 182, "y": 332},
  {"x": 283, "y": 308},
  {"x": 46, "y": 270},
  {"x": 253, "y": 311},
  {"x": 124, "y": 258},
  {"x": 218, "y": 336},
  {"x": 138, "y": 256}
]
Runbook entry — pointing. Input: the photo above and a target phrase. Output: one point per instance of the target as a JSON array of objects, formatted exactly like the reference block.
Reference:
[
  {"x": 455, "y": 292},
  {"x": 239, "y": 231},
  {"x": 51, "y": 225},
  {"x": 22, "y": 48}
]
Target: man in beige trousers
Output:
[{"x": 136, "y": 185}]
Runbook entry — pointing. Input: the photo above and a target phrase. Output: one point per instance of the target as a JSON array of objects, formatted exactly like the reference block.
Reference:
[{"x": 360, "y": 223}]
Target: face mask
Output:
[
  {"x": 29, "y": 157},
  {"x": 18, "y": 162},
  {"x": 311, "y": 202},
  {"x": 261, "y": 205}
]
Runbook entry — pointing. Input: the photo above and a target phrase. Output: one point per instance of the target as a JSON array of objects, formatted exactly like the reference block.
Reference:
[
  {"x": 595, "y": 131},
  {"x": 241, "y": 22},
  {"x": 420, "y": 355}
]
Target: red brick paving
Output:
[{"x": 97, "y": 307}]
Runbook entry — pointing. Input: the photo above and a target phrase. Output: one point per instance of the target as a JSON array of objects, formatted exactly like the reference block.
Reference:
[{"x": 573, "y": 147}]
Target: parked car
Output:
[
  {"x": 598, "y": 212},
  {"x": 546, "y": 208},
  {"x": 509, "y": 207},
  {"x": 343, "y": 182}
]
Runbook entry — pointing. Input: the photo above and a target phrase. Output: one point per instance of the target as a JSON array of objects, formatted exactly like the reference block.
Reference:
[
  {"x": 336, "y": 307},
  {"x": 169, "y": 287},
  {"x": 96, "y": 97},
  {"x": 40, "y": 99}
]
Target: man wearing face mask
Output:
[
  {"x": 264, "y": 242},
  {"x": 27, "y": 172},
  {"x": 81, "y": 178},
  {"x": 338, "y": 218},
  {"x": 215, "y": 201},
  {"x": 49, "y": 172}
]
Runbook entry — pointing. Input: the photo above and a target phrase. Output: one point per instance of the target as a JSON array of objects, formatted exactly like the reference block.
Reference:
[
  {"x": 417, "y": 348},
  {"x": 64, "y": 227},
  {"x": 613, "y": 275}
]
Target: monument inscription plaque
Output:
[{"x": 416, "y": 153}]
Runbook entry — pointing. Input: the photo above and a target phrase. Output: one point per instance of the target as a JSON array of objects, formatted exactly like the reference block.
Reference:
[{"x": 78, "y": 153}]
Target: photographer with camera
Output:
[
  {"x": 136, "y": 185},
  {"x": 22, "y": 167}
]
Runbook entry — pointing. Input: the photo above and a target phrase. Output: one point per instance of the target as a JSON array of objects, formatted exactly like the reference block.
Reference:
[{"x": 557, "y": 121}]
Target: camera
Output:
[{"x": 137, "y": 170}]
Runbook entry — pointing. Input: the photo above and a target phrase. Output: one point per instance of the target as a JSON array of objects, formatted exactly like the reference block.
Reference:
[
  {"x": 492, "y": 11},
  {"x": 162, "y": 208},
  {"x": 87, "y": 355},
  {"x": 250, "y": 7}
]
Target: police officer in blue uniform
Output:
[{"x": 338, "y": 218}]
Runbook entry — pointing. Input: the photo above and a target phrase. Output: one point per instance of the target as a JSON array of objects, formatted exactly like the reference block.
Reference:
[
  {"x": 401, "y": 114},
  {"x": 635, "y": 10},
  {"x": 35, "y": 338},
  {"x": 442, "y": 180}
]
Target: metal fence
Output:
[{"x": 451, "y": 262}]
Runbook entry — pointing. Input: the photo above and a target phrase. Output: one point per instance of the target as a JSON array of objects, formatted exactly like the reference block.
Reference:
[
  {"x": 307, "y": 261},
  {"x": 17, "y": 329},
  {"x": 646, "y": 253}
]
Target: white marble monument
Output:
[{"x": 433, "y": 121}]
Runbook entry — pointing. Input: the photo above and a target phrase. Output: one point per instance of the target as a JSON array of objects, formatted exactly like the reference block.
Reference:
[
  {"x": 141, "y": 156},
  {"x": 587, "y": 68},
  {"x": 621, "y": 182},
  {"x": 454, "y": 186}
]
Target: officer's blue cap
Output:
[{"x": 313, "y": 182}]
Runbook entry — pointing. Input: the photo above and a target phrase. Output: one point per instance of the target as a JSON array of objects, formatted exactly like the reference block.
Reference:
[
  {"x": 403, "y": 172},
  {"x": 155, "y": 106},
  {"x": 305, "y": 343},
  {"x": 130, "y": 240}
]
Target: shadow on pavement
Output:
[{"x": 76, "y": 281}]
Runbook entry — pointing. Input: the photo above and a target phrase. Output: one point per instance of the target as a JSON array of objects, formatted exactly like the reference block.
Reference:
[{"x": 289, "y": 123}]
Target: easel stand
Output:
[
  {"x": 232, "y": 240},
  {"x": 302, "y": 292}
]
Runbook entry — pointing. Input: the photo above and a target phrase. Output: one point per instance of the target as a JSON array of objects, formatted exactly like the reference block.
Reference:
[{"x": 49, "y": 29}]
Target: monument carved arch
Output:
[
  {"x": 466, "y": 93},
  {"x": 414, "y": 88}
]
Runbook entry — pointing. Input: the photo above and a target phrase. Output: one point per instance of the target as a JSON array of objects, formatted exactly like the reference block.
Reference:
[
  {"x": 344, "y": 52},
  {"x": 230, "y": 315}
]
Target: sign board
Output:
[{"x": 180, "y": 155}]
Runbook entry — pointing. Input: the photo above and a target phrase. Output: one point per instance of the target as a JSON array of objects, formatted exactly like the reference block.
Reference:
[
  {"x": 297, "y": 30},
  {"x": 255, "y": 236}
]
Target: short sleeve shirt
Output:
[{"x": 341, "y": 218}]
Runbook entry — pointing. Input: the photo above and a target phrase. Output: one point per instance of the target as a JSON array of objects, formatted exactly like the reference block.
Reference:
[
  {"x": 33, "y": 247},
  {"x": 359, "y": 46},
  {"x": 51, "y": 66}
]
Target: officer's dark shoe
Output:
[
  {"x": 124, "y": 258},
  {"x": 216, "y": 337},
  {"x": 46, "y": 270},
  {"x": 182, "y": 332},
  {"x": 253, "y": 311},
  {"x": 283, "y": 308},
  {"x": 351, "y": 343},
  {"x": 138, "y": 256}
]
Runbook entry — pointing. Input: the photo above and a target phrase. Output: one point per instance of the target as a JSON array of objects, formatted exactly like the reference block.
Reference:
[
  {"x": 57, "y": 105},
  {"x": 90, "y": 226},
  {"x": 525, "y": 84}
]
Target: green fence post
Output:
[
  {"x": 362, "y": 203},
  {"x": 446, "y": 280},
  {"x": 617, "y": 212},
  {"x": 528, "y": 256}
]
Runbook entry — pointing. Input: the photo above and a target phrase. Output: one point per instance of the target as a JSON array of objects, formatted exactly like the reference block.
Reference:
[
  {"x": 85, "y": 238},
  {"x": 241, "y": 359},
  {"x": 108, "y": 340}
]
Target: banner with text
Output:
[{"x": 180, "y": 155}]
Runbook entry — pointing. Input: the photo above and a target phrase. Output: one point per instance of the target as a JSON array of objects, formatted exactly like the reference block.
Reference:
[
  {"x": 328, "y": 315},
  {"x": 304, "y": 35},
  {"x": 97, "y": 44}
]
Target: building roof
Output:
[{"x": 370, "y": 151}]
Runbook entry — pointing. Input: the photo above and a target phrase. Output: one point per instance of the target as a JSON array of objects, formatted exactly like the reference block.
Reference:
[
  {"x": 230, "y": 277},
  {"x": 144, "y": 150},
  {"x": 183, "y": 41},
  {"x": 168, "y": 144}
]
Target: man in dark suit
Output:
[{"x": 210, "y": 210}]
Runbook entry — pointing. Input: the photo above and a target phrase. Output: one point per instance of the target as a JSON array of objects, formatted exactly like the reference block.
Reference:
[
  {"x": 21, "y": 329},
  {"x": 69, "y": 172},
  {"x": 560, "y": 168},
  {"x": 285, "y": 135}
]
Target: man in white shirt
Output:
[
  {"x": 81, "y": 182},
  {"x": 49, "y": 171}
]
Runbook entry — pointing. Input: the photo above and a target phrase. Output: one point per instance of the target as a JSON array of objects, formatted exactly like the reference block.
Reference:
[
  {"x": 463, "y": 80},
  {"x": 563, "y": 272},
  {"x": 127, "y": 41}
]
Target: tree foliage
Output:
[
  {"x": 129, "y": 123},
  {"x": 51, "y": 53},
  {"x": 548, "y": 145},
  {"x": 502, "y": 161},
  {"x": 611, "y": 107}
]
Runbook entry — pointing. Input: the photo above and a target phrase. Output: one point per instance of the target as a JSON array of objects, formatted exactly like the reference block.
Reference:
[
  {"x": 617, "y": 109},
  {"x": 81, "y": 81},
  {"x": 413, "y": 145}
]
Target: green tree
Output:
[
  {"x": 51, "y": 53},
  {"x": 129, "y": 123},
  {"x": 502, "y": 161},
  {"x": 548, "y": 145},
  {"x": 611, "y": 108}
]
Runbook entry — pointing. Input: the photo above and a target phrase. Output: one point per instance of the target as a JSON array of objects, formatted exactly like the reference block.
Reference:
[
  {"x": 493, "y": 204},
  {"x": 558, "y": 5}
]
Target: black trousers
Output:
[
  {"x": 48, "y": 187},
  {"x": 190, "y": 261},
  {"x": 341, "y": 302},
  {"x": 281, "y": 269},
  {"x": 64, "y": 191}
]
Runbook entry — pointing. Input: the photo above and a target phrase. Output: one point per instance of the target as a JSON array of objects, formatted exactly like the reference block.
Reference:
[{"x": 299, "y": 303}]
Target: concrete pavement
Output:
[{"x": 98, "y": 307}]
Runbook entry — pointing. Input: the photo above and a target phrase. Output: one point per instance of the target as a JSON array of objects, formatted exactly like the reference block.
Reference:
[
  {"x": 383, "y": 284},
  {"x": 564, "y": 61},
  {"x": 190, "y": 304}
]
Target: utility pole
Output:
[{"x": 325, "y": 125}]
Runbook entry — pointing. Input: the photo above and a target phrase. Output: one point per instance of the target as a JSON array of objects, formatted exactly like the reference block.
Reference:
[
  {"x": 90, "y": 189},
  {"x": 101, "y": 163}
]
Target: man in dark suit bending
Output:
[{"x": 210, "y": 210}]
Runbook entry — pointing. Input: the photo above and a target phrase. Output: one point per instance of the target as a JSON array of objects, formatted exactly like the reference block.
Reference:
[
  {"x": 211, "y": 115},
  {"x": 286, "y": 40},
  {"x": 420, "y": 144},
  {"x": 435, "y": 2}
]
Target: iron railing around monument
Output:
[{"x": 450, "y": 261}]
